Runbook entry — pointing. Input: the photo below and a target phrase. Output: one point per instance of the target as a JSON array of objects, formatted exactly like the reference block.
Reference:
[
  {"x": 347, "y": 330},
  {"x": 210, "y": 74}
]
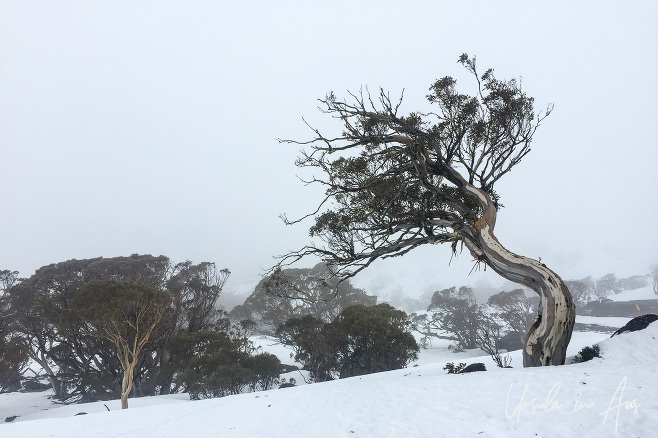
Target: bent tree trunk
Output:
[{"x": 549, "y": 336}]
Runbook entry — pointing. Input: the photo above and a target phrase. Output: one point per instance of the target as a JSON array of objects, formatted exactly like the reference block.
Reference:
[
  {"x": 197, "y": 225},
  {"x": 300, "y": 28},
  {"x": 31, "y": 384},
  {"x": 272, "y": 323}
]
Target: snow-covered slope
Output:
[
  {"x": 591, "y": 399},
  {"x": 645, "y": 293}
]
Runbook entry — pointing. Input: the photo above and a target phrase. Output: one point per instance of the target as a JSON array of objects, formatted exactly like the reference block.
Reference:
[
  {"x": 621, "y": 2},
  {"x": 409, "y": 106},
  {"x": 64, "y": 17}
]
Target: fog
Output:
[{"x": 150, "y": 127}]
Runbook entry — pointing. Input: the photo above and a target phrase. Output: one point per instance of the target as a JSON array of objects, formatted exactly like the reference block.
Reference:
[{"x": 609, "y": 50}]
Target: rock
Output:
[
  {"x": 637, "y": 323},
  {"x": 474, "y": 367}
]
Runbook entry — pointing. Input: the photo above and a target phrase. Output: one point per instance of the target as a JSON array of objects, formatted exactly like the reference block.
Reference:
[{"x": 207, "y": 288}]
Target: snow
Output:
[
  {"x": 607, "y": 321},
  {"x": 420, "y": 401},
  {"x": 645, "y": 293}
]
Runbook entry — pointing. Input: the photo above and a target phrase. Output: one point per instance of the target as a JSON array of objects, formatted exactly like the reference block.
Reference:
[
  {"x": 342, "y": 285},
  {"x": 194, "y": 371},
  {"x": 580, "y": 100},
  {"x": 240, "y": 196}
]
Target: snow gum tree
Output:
[
  {"x": 395, "y": 182},
  {"x": 124, "y": 313}
]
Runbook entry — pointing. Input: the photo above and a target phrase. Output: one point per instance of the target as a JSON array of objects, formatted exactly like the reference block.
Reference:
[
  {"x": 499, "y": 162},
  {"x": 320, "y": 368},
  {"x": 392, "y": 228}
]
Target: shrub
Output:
[
  {"x": 587, "y": 353},
  {"x": 454, "y": 369},
  {"x": 360, "y": 340},
  {"x": 214, "y": 365}
]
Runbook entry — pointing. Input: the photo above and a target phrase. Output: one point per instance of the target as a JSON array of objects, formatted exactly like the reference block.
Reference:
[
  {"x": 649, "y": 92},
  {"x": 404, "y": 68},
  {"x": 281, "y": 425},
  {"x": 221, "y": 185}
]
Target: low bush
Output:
[{"x": 587, "y": 353}]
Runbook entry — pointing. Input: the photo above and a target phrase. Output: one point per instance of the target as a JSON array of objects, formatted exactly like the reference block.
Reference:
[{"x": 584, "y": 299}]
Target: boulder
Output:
[
  {"x": 637, "y": 323},
  {"x": 474, "y": 367}
]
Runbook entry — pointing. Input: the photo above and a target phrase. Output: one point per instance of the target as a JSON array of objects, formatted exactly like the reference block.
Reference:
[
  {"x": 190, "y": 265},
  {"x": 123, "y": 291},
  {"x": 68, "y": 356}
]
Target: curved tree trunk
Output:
[
  {"x": 549, "y": 336},
  {"x": 126, "y": 385}
]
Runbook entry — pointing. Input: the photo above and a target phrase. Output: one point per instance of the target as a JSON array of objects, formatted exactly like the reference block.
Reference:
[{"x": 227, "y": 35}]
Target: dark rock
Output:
[
  {"x": 80, "y": 413},
  {"x": 638, "y": 323},
  {"x": 11, "y": 418},
  {"x": 474, "y": 367},
  {"x": 510, "y": 342}
]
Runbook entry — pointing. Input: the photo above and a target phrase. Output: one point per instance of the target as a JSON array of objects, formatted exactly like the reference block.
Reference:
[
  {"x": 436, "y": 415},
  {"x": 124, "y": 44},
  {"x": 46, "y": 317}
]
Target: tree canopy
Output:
[
  {"x": 394, "y": 182},
  {"x": 124, "y": 313},
  {"x": 288, "y": 293}
]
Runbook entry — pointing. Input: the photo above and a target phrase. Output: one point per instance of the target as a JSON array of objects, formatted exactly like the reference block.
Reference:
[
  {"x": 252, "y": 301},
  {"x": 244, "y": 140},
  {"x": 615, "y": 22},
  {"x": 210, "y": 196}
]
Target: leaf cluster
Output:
[{"x": 395, "y": 181}]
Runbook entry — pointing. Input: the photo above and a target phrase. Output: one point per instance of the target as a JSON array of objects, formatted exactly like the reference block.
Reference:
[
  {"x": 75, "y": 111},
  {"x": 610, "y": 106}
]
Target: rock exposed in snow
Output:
[{"x": 638, "y": 323}]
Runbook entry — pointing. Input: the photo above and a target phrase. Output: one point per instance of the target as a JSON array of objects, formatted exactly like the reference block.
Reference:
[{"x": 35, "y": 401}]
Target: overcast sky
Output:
[{"x": 150, "y": 126}]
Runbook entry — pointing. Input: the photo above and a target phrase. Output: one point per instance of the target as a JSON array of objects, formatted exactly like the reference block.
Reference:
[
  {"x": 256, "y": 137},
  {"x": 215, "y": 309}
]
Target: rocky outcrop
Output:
[{"x": 638, "y": 323}]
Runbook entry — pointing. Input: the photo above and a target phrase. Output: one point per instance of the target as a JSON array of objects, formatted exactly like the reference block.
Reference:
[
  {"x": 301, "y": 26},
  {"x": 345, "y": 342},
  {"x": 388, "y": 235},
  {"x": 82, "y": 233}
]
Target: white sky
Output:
[{"x": 149, "y": 127}]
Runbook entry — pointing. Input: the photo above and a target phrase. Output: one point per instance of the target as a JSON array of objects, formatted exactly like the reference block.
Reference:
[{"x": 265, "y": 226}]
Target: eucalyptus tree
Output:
[
  {"x": 291, "y": 293},
  {"x": 395, "y": 182},
  {"x": 124, "y": 313}
]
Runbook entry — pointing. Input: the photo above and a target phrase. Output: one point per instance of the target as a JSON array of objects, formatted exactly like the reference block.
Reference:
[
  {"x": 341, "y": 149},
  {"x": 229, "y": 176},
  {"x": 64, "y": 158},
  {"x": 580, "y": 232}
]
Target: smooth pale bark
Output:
[
  {"x": 126, "y": 386},
  {"x": 549, "y": 336}
]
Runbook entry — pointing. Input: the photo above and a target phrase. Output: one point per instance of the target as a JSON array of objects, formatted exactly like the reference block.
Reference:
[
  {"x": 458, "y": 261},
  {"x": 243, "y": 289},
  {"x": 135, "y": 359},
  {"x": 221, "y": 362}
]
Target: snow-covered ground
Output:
[
  {"x": 606, "y": 321},
  {"x": 645, "y": 293},
  {"x": 613, "y": 396}
]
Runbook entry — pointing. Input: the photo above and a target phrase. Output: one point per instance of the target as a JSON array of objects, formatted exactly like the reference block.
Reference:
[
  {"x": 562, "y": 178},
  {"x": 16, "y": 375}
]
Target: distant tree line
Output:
[
  {"x": 103, "y": 328},
  {"x": 589, "y": 289},
  {"x": 504, "y": 320},
  {"x": 108, "y": 327}
]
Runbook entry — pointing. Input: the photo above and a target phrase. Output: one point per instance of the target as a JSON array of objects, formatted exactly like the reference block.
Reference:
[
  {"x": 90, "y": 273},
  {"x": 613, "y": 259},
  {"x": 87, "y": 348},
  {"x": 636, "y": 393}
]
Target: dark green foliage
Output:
[
  {"x": 314, "y": 343},
  {"x": 454, "y": 369},
  {"x": 74, "y": 314},
  {"x": 13, "y": 360},
  {"x": 76, "y": 364},
  {"x": 587, "y": 354},
  {"x": 85, "y": 367},
  {"x": 13, "y": 352},
  {"x": 129, "y": 315},
  {"x": 214, "y": 365},
  {"x": 396, "y": 181},
  {"x": 360, "y": 340},
  {"x": 373, "y": 339}
]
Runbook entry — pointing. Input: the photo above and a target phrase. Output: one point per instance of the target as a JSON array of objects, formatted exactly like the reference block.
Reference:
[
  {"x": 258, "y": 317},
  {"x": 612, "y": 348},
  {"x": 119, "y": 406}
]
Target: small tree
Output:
[
  {"x": 453, "y": 315},
  {"x": 213, "y": 364},
  {"x": 514, "y": 310},
  {"x": 489, "y": 334},
  {"x": 314, "y": 345},
  {"x": 608, "y": 285},
  {"x": 360, "y": 340},
  {"x": 124, "y": 313},
  {"x": 290, "y": 293},
  {"x": 395, "y": 182},
  {"x": 373, "y": 339}
]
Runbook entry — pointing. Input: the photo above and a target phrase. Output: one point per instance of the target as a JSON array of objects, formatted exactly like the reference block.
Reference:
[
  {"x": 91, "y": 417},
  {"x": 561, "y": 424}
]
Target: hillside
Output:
[{"x": 417, "y": 402}]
